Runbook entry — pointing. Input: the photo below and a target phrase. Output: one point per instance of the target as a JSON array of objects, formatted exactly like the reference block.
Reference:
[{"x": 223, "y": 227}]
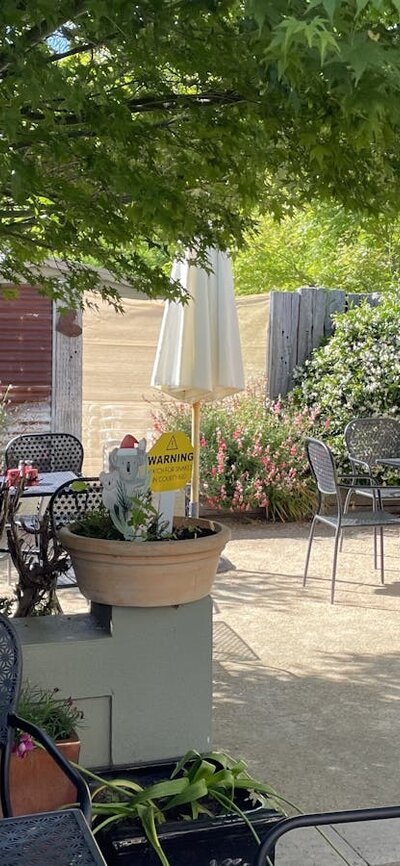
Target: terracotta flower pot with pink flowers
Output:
[{"x": 36, "y": 782}]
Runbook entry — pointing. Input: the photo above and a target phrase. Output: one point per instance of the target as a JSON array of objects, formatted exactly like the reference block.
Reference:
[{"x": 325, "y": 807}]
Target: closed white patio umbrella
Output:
[{"x": 198, "y": 355}]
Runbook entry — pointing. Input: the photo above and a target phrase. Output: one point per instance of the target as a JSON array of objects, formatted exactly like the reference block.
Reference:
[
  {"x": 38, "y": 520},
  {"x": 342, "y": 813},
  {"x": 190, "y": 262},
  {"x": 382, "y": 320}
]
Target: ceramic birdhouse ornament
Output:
[{"x": 127, "y": 481}]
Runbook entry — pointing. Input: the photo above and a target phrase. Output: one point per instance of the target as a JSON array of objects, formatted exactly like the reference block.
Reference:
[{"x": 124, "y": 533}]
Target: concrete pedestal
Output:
[{"x": 142, "y": 676}]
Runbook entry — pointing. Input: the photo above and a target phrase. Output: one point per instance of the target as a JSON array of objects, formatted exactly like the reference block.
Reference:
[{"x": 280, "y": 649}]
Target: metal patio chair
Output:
[
  {"x": 323, "y": 469},
  {"x": 48, "y": 452},
  {"x": 48, "y": 837},
  {"x": 68, "y": 504},
  {"x": 266, "y": 850},
  {"x": 368, "y": 441}
]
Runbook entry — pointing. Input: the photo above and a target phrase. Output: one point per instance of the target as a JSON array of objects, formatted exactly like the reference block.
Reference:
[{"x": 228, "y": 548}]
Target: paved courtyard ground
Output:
[{"x": 308, "y": 693}]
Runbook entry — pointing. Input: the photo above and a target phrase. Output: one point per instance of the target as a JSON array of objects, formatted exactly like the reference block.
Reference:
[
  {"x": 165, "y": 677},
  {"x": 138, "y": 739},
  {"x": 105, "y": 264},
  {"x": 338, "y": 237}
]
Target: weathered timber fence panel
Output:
[{"x": 298, "y": 322}]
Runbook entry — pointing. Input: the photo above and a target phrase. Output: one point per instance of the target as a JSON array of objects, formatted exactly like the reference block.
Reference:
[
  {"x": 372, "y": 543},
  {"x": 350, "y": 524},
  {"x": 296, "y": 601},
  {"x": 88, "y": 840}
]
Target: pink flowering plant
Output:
[
  {"x": 252, "y": 452},
  {"x": 58, "y": 717}
]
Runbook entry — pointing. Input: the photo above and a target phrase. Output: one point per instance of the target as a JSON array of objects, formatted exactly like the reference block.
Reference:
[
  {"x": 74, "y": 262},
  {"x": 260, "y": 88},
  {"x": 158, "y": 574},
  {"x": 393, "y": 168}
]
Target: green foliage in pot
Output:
[
  {"x": 357, "y": 372},
  {"x": 199, "y": 785},
  {"x": 252, "y": 452},
  {"x": 58, "y": 717},
  {"x": 99, "y": 524}
]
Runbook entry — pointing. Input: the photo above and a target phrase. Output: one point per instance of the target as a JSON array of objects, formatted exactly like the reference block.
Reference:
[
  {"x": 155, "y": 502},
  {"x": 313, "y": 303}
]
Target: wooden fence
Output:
[{"x": 298, "y": 322}]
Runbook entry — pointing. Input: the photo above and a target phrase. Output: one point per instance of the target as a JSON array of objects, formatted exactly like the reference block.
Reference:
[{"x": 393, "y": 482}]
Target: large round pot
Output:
[{"x": 147, "y": 573}]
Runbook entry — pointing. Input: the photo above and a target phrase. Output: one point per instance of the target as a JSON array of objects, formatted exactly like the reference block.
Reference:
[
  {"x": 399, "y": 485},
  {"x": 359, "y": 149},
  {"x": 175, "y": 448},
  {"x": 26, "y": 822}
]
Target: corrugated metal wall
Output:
[
  {"x": 26, "y": 362},
  {"x": 26, "y": 346}
]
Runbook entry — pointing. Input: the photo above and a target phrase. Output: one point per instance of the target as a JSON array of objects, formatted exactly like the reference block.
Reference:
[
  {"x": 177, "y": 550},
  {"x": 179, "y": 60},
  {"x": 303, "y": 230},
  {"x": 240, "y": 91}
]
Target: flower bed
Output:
[{"x": 252, "y": 452}]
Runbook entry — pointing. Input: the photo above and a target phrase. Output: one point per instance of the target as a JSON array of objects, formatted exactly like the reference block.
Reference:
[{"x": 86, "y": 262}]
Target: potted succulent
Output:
[
  {"x": 202, "y": 810},
  {"x": 36, "y": 782},
  {"x": 125, "y": 554}
]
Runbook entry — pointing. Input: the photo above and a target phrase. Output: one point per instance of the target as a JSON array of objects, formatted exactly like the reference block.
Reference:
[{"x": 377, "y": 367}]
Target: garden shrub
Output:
[
  {"x": 357, "y": 373},
  {"x": 252, "y": 452}
]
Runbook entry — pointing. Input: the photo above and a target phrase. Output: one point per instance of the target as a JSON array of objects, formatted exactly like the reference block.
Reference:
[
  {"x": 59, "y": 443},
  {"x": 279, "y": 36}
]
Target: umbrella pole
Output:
[{"x": 195, "y": 483}]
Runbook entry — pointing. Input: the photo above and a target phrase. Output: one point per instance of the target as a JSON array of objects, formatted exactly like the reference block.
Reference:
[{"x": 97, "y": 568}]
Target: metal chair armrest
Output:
[
  {"x": 73, "y": 775},
  {"x": 356, "y": 461},
  {"x": 319, "y": 819},
  {"x": 355, "y": 482}
]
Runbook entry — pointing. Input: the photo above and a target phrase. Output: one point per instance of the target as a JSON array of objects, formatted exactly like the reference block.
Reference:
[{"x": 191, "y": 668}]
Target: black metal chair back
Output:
[
  {"x": 73, "y": 499},
  {"x": 323, "y": 468},
  {"x": 372, "y": 439},
  {"x": 10, "y": 684},
  {"x": 49, "y": 452}
]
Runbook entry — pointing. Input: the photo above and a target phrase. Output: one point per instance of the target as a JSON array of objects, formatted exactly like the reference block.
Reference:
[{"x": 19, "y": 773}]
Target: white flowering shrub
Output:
[{"x": 357, "y": 373}]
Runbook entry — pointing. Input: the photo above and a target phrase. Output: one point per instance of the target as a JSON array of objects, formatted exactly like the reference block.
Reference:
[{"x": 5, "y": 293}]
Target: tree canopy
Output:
[
  {"x": 321, "y": 244},
  {"x": 130, "y": 130}
]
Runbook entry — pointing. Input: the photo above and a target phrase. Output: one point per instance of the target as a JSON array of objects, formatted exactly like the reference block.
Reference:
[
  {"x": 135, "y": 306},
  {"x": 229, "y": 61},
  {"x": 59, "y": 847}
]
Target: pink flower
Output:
[
  {"x": 203, "y": 442},
  {"x": 24, "y": 746}
]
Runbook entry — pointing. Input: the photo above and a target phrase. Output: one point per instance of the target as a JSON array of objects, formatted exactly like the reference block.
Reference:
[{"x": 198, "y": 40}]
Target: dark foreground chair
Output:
[
  {"x": 47, "y": 838},
  {"x": 323, "y": 469},
  {"x": 266, "y": 850}
]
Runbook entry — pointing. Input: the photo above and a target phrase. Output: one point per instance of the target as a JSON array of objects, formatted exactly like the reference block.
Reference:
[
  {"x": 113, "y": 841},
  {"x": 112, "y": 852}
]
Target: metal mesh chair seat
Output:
[
  {"x": 360, "y": 519},
  {"x": 323, "y": 469},
  {"x": 46, "y": 839},
  {"x": 48, "y": 452}
]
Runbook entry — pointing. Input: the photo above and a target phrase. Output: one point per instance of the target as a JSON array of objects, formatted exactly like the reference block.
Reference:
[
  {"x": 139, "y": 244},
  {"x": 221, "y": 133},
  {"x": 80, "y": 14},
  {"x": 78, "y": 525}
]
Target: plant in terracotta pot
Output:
[
  {"x": 203, "y": 810},
  {"x": 36, "y": 782},
  {"x": 126, "y": 554}
]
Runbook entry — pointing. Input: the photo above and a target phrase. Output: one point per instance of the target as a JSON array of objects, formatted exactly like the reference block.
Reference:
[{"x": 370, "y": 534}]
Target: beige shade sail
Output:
[{"x": 198, "y": 355}]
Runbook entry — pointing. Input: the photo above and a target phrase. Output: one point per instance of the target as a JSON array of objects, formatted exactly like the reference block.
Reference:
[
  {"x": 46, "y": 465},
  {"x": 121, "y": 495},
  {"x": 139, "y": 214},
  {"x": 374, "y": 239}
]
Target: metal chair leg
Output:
[
  {"x": 310, "y": 541},
  {"x": 375, "y": 535},
  {"x": 382, "y": 557},
  {"x": 338, "y": 533},
  {"x": 345, "y": 510}
]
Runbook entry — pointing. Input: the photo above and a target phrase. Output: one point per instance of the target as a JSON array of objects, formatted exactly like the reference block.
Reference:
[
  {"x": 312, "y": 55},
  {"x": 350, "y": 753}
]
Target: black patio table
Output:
[
  {"x": 48, "y": 483},
  {"x": 48, "y": 839}
]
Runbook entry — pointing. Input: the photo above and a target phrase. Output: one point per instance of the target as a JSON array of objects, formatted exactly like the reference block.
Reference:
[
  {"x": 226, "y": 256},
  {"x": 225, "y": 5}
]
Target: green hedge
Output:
[{"x": 357, "y": 373}]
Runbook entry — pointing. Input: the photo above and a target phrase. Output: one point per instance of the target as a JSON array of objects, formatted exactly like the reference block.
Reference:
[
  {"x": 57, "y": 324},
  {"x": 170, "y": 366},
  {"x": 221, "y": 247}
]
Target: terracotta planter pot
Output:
[
  {"x": 37, "y": 784},
  {"x": 146, "y": 574}
]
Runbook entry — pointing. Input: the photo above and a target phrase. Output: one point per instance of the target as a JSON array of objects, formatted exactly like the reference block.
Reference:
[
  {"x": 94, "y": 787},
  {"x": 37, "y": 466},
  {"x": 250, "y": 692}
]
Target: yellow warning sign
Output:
[{"x": 170, "y": 461}]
